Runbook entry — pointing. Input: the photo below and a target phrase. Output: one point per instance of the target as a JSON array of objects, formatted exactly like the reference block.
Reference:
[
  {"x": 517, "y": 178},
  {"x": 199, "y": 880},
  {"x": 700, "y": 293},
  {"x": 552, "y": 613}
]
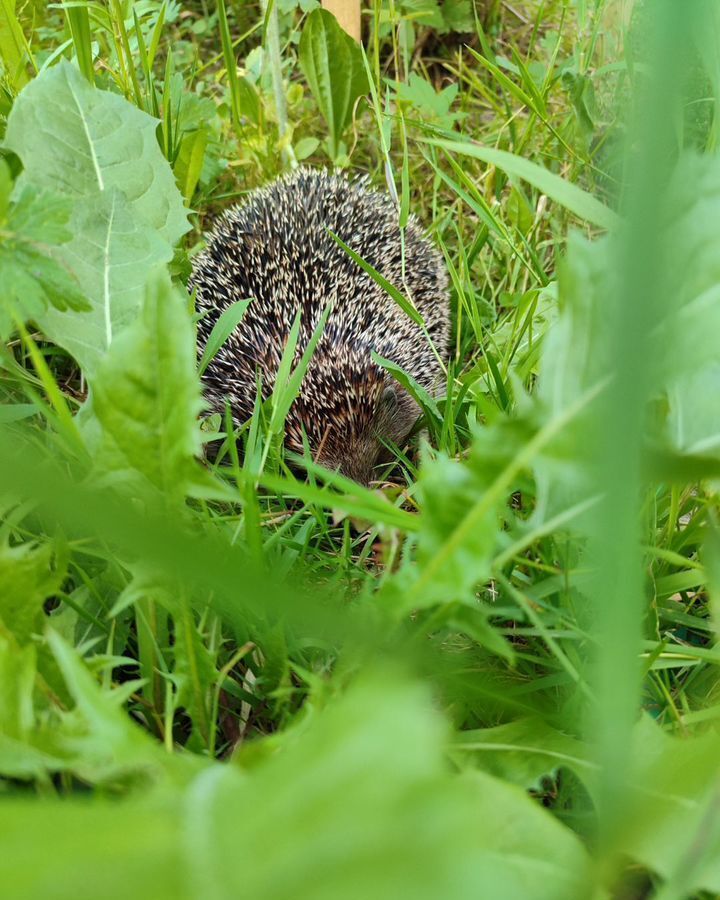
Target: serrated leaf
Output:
[
  {"x": 100, "y": 151},
  {"x": 147, "y": 392},
  {"x": 100, "y": 740},
  {"x": 683, "y": 354},
  {"x": 82, "y": 141},
  {"x": 461, "y": 517},
  {"x": 333, "y": 65},
  {"x": 31, "y": 227},
  {"x": 27, "y": 578}
]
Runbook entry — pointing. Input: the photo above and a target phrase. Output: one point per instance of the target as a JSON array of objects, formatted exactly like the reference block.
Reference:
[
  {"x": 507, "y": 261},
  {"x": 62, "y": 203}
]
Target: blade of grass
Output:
[
  {"x": 567, "y": 194},
  {"x": 79, "y": 22}
]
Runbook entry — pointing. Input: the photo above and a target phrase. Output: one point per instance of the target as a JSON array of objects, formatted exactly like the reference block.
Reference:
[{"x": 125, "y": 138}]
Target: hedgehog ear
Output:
[{"x": 389, "y": 397}]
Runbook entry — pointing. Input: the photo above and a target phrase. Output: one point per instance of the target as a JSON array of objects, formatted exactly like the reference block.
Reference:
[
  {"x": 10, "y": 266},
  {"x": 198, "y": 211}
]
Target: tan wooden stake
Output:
[{"x": 347, "y": 12}]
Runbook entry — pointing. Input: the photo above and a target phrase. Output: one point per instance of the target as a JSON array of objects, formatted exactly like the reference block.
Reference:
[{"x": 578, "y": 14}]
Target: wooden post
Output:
[{"x": 347, "y": 12}]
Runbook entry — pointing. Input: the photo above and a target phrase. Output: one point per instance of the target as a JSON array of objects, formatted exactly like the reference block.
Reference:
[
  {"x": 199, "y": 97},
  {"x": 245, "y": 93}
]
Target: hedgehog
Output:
[{"x": 276, "y": 249}]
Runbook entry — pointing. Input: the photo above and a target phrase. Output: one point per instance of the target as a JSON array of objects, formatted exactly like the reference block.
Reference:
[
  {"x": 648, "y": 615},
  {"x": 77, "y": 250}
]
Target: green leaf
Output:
[
  {"x": 112, "y": 255},
  {"x": 13, "y": 47},
  {"x": 333, "y": 65},
  {"x": 357, "y": 804},
  {"x": 189, "y": 162},
  {"x": 30, "y": 228},
  {"x": 458, "y": 15},
  {"x": 82, "y": 141},
  {"x": 287, "y": 384},
  {"x": 27, "y": 578},
  {"x": 461, "y": 516},
  {"x": 569, "y": 195},
  {"x": 523, "y": 752},
  {"x": 101, "y": 741},
  {"x": 102, "y": 153},
  {"x": 425, "y": 99},
  {"x": 147, "y": 392},
  {"x": 131, "y": 846},
  {"x": 17, "y": 677},
  {"x": 683, "y": 355},
  {"x": 674, "y": 823}
]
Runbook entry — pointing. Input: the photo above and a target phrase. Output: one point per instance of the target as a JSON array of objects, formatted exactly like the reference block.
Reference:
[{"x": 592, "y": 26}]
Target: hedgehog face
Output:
[{"x": 350, "y": 435}]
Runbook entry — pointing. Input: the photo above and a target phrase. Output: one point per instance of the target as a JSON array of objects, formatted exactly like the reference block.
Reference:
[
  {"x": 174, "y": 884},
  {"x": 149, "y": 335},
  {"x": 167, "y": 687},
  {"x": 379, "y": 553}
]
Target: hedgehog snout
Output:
[{"x": 396, "y": 414}]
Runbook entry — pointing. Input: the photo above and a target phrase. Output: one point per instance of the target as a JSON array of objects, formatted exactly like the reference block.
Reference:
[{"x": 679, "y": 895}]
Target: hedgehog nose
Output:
[{"x": 354, "y": 469}]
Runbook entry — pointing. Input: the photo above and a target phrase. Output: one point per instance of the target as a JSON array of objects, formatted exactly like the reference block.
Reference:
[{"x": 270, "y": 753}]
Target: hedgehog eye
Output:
[{"x": 390, "y": 398}]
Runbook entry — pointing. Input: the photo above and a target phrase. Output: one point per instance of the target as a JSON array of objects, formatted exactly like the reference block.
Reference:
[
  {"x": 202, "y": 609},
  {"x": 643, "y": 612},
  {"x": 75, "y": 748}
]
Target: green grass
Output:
[{"x": 495, "y": 674}]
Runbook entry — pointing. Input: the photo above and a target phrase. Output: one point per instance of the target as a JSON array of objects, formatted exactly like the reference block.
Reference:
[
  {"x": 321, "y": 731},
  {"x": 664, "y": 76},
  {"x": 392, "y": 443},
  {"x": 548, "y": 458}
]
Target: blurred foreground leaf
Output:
[
  {"x": 147, "y": 392},
  {"x": 355, "y": 803}
]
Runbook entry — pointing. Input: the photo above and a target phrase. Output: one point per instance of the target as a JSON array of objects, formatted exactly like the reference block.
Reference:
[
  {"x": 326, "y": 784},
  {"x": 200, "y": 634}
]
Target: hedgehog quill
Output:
[{"x": 276, "y": 248}]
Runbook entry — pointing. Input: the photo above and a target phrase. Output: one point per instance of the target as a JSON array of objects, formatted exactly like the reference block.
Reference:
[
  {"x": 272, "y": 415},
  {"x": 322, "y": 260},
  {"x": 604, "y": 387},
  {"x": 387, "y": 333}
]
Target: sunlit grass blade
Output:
[
  {"x": 79, "y": 22},
  {"x": 567, "y": 194},
  {"x": 402, "y": 301},
  {"x": 14, "y": 49},
  {"x": 228, "y": 321}
]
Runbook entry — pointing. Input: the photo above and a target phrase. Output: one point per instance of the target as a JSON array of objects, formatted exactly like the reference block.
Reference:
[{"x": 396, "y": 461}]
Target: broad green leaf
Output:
[
  {"x": 31, "y": 227},
  {"x": 567, "y": 194},
  {"x": 523, "y": 752},
  {"x": 368, "y": 810},
  {"x": 111, "y": 254},
  {"x": 333, "y": 65},
  {"x": 101, "y": 152},
  {"x": 354, "y": 803},
  {"x": 147, "y": 392},
  {"x": 673, "y": 826},
  {"x": 92, "y": 850},
  {"x": 81, "y": 141}
]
